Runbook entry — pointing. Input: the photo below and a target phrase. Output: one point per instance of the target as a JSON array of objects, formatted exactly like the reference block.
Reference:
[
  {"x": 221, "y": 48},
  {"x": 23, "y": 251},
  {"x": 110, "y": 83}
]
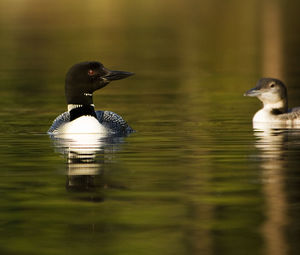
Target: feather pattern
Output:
[
  {"x": 113, "y": 122},
  {"x": 291, "y": 115}
]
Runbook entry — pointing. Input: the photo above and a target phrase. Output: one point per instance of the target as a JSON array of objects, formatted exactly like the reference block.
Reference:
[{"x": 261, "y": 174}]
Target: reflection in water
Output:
[
  {"x": 87, "y": 155},
  {"x": 273, "y": 138},
  {"x": 272, "y": 143}
]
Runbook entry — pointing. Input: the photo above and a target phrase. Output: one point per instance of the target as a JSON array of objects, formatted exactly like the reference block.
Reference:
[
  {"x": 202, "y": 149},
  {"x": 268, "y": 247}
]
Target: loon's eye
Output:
[
  {"x": 91, "y": 72},
  {"x": 272, "y": 85}
]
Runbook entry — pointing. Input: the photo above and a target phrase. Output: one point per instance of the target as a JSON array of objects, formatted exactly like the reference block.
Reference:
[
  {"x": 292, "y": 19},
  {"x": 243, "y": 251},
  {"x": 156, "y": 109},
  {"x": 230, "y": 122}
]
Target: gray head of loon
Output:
[
  {"x": 84, "y": 78},
  {"x": 272, "y": 92}
]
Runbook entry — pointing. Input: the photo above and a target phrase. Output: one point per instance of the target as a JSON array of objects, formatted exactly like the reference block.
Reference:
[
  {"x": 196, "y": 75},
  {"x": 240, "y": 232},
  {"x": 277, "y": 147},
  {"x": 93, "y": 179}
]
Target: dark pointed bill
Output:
[
  {"x": 253, "y": 92},
  {"x": 117, "y": 75}
]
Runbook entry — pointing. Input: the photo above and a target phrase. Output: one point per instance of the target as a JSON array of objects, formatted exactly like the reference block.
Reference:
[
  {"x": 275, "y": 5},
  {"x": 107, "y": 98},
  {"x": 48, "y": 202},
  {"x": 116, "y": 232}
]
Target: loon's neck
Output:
[
  {"x": 276, "y": 108},
  {"x": 78, "y": 110}
]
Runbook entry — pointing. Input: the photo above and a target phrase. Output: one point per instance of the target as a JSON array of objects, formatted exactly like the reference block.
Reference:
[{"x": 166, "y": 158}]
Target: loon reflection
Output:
[
  {"x": 87, "y": 155},
  {"x": 273, "y": 145}
]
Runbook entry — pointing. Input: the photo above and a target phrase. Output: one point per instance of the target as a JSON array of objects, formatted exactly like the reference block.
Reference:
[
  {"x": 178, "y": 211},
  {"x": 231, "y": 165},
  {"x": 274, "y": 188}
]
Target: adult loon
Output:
[
  {"x": 273, "y": 93},
  {"x": 82, "y": 80}
]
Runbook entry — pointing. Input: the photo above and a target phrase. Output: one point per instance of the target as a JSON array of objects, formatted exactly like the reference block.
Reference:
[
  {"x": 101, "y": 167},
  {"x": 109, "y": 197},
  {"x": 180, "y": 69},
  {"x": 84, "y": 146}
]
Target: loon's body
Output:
[
  {"x": 273, "y": 94},
  {"x": 105, "y": 122},
  {"x": 81, "y": 118}
]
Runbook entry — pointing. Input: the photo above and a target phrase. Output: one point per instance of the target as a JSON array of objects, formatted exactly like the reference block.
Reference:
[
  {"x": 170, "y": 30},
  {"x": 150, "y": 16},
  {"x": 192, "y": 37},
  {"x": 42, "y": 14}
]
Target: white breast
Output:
[
  {"x": 263, "y": 115},
  {"x": 82, "y": 125}
]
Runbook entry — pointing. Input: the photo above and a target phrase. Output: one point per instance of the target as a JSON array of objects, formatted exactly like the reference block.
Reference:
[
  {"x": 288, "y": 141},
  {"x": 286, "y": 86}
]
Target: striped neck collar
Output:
[
  {"x": 73, "y": 106},
  {"x": 78, "y": 110}
]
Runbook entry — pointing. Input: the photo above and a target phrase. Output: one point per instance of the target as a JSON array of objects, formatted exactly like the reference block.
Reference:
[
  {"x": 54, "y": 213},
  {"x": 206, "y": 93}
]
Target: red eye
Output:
[{"x": 91, "y": 72}]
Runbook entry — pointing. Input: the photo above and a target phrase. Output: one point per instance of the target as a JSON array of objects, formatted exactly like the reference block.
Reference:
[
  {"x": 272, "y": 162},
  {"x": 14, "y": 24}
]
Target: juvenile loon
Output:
[
  {"x": 273, "y": 93},
  {"x": 82, "y": 80}
]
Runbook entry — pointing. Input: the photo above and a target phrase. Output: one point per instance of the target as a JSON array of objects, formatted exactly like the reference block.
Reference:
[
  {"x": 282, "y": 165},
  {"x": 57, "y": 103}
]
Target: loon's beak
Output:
[
  {"x": 117, "y": 75},
  {"x": 253, "y": 92}
]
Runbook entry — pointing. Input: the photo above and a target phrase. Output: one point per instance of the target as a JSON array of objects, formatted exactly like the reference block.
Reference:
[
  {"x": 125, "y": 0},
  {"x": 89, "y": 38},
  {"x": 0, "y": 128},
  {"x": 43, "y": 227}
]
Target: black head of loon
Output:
[
  {"x": 272, "y": 92},
  {"x": 84, "y": 78}
]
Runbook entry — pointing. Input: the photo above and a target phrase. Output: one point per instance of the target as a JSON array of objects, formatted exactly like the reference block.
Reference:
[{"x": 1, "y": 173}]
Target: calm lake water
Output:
[{"x": 195, "y": 178}]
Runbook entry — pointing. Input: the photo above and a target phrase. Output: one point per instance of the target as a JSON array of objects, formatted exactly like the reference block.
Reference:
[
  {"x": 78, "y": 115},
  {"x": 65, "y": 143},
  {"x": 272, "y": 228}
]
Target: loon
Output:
[
  {"x": 82, "y": 80},
  {"x": 273, "y": 93}
]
